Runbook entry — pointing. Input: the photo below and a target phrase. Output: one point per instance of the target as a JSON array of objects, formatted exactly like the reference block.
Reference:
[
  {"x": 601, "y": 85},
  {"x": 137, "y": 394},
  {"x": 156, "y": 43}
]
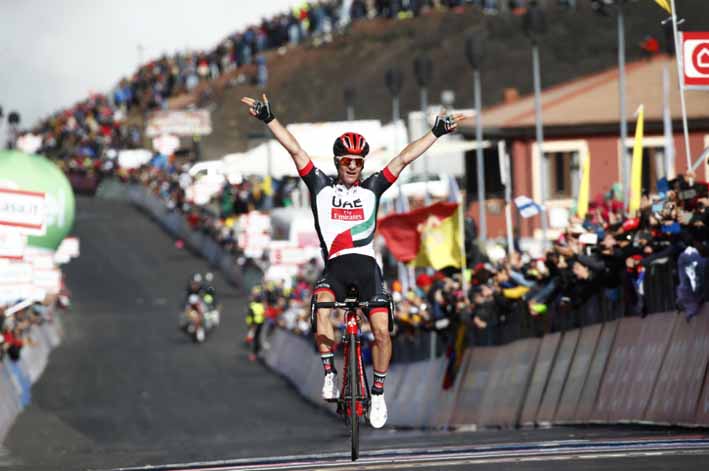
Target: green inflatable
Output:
[{"x": 37, "y": 173}]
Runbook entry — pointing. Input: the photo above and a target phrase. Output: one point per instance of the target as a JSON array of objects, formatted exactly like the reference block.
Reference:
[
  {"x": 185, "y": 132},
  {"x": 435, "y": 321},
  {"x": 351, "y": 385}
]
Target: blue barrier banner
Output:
[{"x": 20, "y": 381}]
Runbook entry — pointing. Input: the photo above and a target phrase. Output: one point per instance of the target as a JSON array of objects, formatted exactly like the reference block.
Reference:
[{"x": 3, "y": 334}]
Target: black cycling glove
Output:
[
  {"x": 263, "y": 111},
  {"x": 443, "y": 126}
]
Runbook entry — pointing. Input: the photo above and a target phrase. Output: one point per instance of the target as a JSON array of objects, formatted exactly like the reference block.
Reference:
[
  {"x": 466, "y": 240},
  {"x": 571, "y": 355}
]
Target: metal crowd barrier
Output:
[
  {"x": 17, "y": 377},
  {"x": 622, "y": 370},
  {"x": 240, "y": 276}
]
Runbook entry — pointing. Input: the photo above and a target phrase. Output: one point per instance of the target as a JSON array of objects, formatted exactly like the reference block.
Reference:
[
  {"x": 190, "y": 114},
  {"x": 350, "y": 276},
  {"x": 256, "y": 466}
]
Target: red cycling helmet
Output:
[{"x": 350, "y": 143}]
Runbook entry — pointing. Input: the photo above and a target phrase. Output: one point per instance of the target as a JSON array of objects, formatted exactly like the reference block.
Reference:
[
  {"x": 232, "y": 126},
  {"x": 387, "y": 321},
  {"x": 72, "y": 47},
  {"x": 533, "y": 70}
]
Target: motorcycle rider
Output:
[{"x": 194, "y": 288}]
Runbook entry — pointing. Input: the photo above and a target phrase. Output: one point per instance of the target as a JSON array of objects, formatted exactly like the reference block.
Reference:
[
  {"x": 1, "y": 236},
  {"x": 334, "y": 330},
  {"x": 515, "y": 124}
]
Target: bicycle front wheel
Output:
[{"x": 354, "y": 392}]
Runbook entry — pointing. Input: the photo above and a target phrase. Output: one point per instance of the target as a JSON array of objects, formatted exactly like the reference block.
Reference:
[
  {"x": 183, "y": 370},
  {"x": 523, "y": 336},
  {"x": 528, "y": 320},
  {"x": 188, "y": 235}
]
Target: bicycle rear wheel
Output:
[{"x": 354, "y": 392}]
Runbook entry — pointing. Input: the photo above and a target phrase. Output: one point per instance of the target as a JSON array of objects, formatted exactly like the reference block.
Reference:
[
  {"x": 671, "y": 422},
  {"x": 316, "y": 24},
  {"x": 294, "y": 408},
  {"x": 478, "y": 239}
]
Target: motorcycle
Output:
[{"x": 198, "y": 318}]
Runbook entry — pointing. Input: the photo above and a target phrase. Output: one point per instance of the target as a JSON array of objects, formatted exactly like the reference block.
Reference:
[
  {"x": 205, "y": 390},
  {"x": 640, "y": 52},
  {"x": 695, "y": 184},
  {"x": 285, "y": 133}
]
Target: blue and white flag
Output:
[{"x": 527, "y": 207}]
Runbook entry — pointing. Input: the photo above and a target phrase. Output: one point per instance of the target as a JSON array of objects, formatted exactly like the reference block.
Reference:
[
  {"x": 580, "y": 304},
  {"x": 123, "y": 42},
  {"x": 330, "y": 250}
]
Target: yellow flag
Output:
[
  {"x": 664, "y": 4},
  {"x": 584, "y": 188},
  {"x": 440, "y": 243},
  {"x": 636, "y": 170}
]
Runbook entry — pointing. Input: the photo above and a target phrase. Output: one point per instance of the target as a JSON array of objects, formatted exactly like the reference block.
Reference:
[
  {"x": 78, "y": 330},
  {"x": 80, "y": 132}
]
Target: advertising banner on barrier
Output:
[
  {"x": 68, "y": 249},
  {"x": 578, "y": 372},
  {"x": 617, "y": 372},
  {"x": 674, "y": 399},
  {"x": 644, "y": 366},
  {"x": 504, "y": 396},
  {"x": 12, "y": 244},
  {"x": 702, "y": 417},
  {"x": 472, "y": 390},
  {"x": 48, "y": 280},
  {"x": 181, "y": 123},
  {"x": 557, "y": 377},
  {"x": 15, "y": 273},
  {"x": 591, "y": 388},
  {"x": 542, "y": 369},
  {"x": 23, "y": 211}
]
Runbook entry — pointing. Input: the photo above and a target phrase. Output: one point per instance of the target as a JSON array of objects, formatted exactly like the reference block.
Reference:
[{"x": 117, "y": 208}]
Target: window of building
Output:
[
  {"x": 653, "y": 163},
  {"x": 562, "y": 174},
  {"x": 493, "y": 182},
  {"x": 558, "y": 176}
]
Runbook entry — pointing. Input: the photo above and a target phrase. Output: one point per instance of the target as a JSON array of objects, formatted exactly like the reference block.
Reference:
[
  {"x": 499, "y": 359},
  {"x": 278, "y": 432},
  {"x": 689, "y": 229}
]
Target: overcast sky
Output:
[{"x": 55, "y": 52}]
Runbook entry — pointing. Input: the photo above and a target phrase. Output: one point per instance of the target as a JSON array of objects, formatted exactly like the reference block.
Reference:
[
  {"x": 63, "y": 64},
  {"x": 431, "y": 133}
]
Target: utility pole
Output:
[
  {"x": 423, "y": 71},
  {"x": 535, "y": 25},
  {"x": 473, "y": 52}
]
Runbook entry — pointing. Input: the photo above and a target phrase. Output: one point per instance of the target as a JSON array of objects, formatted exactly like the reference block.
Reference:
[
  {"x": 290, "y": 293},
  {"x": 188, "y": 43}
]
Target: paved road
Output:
[{"x": 126, "y": 389}]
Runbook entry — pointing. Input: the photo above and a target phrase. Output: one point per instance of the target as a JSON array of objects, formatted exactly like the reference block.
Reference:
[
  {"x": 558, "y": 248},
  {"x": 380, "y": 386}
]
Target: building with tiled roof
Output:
[{"x": 582, "y": 117}]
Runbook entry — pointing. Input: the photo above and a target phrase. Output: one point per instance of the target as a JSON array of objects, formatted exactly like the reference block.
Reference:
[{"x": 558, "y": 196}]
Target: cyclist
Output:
[{"x": 345, "y": 212}]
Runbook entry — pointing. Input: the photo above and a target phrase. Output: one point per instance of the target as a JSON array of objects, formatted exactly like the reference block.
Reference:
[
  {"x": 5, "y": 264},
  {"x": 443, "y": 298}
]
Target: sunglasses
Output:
[{"x": 345, "y": 161}]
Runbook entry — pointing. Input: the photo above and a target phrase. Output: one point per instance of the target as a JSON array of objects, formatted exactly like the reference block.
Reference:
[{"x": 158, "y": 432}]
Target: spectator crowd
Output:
[
  {"x": 16, "y": 324},
  {"x": 625, "y": 264},
  {"x": 601, "y": 267}
]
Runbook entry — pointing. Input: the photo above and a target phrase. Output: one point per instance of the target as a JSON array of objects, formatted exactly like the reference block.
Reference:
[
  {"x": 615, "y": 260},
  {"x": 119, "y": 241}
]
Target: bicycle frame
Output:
[
  {"x": 355, "y": 396},
  {"x": 362, "y": 395}
]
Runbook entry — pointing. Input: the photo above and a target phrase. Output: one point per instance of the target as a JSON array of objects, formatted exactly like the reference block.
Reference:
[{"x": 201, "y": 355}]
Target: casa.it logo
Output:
[
  {"x": 700, "y": 58},
  {"x": 696, "y": 58}
]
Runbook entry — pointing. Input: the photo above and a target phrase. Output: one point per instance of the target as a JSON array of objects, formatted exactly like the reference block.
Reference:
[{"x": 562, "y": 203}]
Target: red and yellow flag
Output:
[
  {"x": 425, "y": 237},
  {"x": 665, "y": 4}
]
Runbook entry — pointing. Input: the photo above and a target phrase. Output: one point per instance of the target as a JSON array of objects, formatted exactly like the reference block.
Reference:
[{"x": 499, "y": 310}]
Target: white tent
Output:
[{"x": 317, "y": 139}]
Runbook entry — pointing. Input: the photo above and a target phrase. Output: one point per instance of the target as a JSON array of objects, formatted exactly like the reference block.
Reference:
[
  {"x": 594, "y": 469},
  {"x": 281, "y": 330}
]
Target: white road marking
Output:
[{"x": 457, "y": 456}]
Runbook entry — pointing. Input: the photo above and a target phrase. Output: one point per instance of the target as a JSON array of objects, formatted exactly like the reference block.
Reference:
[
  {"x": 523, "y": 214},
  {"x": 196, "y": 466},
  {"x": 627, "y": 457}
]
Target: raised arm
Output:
[
  {"x": 416, "y": 149},
  {"x": 262, "y": 111}
]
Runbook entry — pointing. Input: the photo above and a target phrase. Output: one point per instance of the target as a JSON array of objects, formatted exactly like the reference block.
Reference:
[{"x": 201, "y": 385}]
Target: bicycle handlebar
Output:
[{"x": 350, "y": 304}]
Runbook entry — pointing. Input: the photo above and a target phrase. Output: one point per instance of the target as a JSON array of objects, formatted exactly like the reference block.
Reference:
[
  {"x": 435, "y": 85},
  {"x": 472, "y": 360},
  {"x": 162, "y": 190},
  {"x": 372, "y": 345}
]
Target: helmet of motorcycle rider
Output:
[
  {"x": 193, "y": 299},
  {"x": 208, "y": 277},
  {"x": 196, "y": 278},
  {"x": 210, "y": 290}
]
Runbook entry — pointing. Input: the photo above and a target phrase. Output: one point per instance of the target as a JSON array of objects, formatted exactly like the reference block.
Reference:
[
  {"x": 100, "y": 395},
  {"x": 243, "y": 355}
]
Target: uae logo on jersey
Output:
[{"x": 343, "y": 210}]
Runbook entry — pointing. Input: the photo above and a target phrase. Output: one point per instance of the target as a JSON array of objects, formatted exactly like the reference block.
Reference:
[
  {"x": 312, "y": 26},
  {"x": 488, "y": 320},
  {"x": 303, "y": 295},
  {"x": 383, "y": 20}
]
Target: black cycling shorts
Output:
[{"x": 357, "y": 269}]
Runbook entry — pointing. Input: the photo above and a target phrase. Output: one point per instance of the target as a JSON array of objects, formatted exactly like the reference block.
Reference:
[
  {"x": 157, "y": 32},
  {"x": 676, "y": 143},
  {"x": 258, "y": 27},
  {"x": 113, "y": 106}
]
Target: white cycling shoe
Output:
[
  {"x": 378, "y": 411},
  {"x": 329, "y": 388}
]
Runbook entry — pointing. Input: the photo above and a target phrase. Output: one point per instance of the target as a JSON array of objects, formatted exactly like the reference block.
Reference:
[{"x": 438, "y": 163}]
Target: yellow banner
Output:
[
  {"x": 585, "y": 186},
  {"x": 440, "y": 243},
  {"x": 664, "y": 4},
  {"x": 636, "y": 170}
]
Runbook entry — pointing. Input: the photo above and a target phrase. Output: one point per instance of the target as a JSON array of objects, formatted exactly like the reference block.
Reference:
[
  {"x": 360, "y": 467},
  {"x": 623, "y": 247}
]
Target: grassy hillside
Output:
[{"x": 306, "y": 83}]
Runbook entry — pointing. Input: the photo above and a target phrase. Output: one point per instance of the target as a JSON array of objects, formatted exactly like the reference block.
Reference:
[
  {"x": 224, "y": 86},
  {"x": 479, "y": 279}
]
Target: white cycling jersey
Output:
[{"x": 345, "y": 218}]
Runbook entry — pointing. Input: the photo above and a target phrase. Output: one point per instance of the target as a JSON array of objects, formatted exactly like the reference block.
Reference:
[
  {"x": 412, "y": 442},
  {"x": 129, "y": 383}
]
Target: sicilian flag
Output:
[
  {"x": 527, "y": 207},
  {"x": 425, "y": 237}
]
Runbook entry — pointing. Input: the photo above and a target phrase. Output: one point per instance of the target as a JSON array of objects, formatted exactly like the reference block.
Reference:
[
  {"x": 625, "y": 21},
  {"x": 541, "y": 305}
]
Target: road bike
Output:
[{"x": 353, "y": 404}]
